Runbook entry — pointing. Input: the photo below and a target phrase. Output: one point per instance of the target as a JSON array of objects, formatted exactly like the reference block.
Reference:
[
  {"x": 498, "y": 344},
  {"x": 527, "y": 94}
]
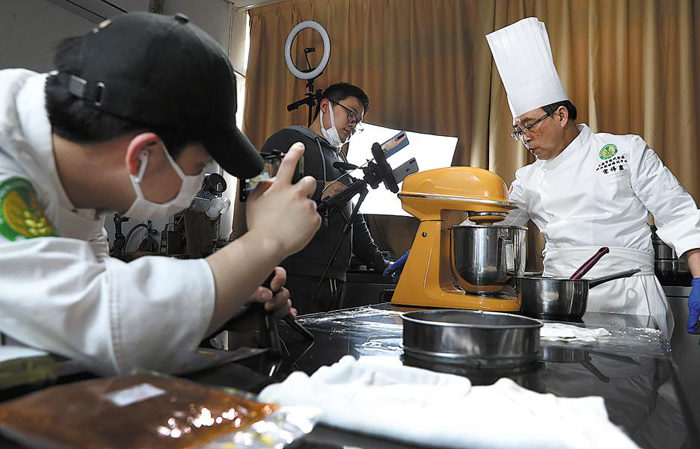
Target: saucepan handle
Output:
[
  {"x": 587, "y": 265},
  {"x": 622, "y": 274}
]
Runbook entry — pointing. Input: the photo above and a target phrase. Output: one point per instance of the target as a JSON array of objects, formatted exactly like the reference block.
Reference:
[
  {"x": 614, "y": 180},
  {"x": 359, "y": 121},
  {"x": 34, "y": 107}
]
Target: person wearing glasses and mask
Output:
[
  {"x": 341, "y": 111},
  {"x": 588, "y": 190},
  {"x": 112, "y": 130}
]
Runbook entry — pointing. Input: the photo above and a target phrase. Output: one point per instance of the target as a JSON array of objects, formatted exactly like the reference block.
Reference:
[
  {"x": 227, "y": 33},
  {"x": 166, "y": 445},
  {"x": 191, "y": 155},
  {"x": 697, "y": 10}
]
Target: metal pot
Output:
[
  {"x": 471, "y": 338},
  {"x": 486, "y": 259},
  {"x": 668, "y": 267},
  {"x": 663, "y": 251},
  {"x": 560, "y": 298},
  {"x": 673, "y": 272}
]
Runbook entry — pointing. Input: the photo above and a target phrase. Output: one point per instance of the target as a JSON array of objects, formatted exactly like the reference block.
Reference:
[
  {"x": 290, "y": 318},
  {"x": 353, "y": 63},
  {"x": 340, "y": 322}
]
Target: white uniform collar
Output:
[
  {"x": 36, "y": 128},
  {"x": 579, "y": 142}
]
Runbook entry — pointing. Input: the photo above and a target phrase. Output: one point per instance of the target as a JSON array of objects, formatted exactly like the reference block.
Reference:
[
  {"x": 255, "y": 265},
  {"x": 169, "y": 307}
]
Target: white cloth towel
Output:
[
  {"x": 567, "y": 332},
  {"x": 442, "y": 410}
]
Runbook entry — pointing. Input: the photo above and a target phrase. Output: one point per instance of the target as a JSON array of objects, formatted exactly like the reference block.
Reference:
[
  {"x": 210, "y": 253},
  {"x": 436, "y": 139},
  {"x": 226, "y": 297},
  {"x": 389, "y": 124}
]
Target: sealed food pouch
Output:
[{"x": 147, "y": 411}]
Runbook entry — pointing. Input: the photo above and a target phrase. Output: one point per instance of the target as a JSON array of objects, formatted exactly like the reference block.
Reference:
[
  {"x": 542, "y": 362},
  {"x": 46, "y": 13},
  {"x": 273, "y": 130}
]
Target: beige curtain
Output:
[{"x": 629, "y": 67}]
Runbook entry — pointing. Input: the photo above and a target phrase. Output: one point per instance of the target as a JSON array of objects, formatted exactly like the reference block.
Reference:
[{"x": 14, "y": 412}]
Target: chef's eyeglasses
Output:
[
  {"x": 520, "y": 132},
  {"x": 352, "y": 118}
]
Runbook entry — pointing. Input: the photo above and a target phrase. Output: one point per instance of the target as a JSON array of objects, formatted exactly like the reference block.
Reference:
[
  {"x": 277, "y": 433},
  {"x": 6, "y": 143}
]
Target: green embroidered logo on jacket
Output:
[
  {"x": 21, "y": 214},
  {"x": 608, "y": 151}
]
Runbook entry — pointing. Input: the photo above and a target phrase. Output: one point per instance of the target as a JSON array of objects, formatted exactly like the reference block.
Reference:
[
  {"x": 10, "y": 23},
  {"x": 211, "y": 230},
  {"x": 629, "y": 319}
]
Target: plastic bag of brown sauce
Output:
[{"x": 130, "y": 411}]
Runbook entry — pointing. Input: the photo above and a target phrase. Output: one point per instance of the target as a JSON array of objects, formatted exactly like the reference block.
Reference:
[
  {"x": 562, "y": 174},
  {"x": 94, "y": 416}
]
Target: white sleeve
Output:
[
  {"x": 518, "y": 216},
  {"x": 56, "y": 295},
  {"x": 675, "y": 214}
]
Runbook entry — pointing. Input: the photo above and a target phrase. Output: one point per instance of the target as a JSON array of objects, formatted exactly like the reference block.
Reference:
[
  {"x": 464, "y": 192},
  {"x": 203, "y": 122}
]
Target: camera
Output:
[{"x": 271, "y": 165}]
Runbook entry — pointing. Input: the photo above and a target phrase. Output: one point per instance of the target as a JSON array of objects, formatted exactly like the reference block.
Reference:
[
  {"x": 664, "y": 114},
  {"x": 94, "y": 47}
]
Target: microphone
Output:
[{"x": 344, "y": 165}]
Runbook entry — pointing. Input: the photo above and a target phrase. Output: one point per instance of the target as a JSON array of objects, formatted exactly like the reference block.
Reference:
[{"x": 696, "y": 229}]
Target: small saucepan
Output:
[{"x": 559, "y": 298}]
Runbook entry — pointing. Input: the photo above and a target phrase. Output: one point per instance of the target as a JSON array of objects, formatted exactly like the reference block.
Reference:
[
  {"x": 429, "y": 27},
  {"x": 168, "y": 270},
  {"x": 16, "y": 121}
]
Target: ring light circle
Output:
[{"x": 326, "y": 50}]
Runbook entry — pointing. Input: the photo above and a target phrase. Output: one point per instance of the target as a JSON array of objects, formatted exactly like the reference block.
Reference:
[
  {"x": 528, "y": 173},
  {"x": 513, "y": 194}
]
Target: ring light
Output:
[{"x": 326, "y": 50}]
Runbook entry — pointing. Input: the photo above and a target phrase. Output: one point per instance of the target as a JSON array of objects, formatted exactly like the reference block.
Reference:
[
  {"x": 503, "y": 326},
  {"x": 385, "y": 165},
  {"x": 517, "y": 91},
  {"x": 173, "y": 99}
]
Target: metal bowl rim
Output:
[
  {"x": 522, "y": 228},
  {"x": 534, "y": 323}
]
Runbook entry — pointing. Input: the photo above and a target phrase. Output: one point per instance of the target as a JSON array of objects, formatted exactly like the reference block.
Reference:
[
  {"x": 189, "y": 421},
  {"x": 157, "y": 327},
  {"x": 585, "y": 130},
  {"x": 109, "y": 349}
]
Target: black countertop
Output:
[{"x": 631, "y": 370}]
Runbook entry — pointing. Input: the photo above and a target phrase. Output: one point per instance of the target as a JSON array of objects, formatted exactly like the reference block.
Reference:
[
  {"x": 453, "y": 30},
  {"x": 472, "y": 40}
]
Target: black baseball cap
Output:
[{"x": 165, "y": 72}]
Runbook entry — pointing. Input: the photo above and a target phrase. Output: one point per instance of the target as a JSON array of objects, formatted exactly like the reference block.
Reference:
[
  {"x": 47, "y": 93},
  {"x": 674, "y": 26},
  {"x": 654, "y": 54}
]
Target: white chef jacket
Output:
[
  {"x": 64, "y": 294},
  {"x": 598, "y": 192}
]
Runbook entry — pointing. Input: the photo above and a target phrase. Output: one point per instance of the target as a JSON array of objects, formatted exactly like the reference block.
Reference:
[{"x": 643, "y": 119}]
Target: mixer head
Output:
[{"x": 478, "y": 192}]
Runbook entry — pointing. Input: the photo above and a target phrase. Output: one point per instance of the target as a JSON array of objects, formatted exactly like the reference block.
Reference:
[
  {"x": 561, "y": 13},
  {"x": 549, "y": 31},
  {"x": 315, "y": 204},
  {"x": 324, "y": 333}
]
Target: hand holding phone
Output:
[
  {"x": 281, "y": 212},
  {"x": 271, "y": 166},
  {"x": 332, "y": 188}
]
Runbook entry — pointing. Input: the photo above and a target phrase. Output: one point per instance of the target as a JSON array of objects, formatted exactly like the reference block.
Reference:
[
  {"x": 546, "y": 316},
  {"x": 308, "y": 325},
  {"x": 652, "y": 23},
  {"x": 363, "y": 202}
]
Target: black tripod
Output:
[
  {"x": 332, "y": 205},
  {"x": 375, "y": 173}
]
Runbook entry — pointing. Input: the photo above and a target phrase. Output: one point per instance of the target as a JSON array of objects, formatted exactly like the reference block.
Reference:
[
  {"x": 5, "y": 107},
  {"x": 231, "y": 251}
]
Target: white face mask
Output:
[
  {"x": 143, "y": 209},
  {"x": 331, "y": 134}
]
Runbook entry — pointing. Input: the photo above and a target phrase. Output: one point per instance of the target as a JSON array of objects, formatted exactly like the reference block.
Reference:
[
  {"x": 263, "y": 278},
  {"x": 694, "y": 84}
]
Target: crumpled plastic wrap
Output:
[
  {"x": 150, "y": 411},
  {"x": 565, "y": 332}
]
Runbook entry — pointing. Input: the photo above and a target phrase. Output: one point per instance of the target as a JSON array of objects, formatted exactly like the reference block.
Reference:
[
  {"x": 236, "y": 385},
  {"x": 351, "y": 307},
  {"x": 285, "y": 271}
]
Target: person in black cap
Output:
[{"x": 134, "y": 111}]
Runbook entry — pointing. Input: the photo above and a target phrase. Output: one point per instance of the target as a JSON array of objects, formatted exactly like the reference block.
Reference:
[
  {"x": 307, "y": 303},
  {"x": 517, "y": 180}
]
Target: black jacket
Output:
[{"x": 312, "y": 260}]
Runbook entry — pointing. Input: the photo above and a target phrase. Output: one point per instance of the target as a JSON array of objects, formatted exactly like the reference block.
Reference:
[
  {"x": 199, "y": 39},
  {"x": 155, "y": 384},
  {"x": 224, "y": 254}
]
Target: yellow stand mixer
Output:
[{"x": 440, "y": 199}]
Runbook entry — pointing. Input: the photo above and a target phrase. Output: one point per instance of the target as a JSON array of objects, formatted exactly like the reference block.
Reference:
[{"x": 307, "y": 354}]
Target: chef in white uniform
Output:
[
  {"x": 588, "y": 190},
  {"x": 97, "y": 136}
]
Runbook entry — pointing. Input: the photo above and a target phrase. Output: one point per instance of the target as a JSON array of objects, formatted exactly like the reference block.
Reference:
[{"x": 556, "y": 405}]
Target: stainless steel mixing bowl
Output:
[
  {"x": 486, "y": 259},
  {"x": 471, "y": 338}
]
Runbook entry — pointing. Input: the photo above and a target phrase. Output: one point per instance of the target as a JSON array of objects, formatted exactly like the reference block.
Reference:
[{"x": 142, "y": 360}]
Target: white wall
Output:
[
  {"x": 210, "y": 15},
  {"x": 30, "y": 30}
]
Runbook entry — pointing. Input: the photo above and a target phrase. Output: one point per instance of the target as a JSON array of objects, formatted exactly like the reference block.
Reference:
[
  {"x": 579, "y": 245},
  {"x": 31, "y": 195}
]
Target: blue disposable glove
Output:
[
  {"x": 394, "y": 269},
  {"x": 694, "y": 307}
]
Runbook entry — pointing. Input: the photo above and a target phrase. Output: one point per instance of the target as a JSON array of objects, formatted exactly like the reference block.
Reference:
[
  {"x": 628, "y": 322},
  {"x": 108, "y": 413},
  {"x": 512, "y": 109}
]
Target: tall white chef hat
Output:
[{"x": 524, "y": 60}]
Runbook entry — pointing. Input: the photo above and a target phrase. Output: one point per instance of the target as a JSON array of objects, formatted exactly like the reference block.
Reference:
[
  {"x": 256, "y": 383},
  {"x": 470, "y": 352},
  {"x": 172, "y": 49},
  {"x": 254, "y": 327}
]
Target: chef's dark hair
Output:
[
  {"x": 551, "y": 108},
  {"x": 340, "y": 91},
  {"x": 74, "y": 119}
]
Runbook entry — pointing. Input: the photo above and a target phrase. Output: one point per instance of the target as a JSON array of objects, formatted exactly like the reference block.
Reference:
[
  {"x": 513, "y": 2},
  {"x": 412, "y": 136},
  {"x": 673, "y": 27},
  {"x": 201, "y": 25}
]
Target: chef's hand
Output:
[
  {"x": 394, "y": 269},
  {"x": 281, "y": 215},
  {"x": 276, "y": 297},
  {"x": 694, "y": 307}
]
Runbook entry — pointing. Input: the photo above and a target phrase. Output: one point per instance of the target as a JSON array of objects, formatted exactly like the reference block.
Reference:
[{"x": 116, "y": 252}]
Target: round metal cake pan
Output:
[{"x": 471, "y": 338}]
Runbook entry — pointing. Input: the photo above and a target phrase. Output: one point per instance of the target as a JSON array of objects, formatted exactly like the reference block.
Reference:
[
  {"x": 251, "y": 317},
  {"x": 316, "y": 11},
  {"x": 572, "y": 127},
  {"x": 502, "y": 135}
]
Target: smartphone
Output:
[
  {"x": 396, "y": 143},
  {"x": 271, "y": 165},
  {"x": 407, "y": 168}
]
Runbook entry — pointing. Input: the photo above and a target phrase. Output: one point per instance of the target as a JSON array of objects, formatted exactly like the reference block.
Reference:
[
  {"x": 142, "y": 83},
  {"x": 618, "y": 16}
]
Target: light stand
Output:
[
  {"x": 309, "y": 74},
  {"x": 309, "y": 100}
]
